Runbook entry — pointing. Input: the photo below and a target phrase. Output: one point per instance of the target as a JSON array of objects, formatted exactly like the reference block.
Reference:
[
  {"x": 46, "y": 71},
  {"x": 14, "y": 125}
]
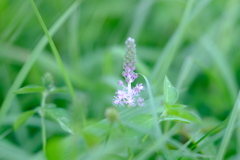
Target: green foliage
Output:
[
  {"x": 177, "y": 112},
  {"x": 170, "y": 93},
  {"x": 22, "y": 119},
  {"x": 81, "y": 43},
  {"x": 183, "y": 114},
  {"x": 61, "y": 116},
  {"x": 29, "y": 89}
]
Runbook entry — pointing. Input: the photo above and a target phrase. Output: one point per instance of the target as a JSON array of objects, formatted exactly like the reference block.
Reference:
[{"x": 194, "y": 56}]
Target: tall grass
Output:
[{"x": 194, "y": 43}]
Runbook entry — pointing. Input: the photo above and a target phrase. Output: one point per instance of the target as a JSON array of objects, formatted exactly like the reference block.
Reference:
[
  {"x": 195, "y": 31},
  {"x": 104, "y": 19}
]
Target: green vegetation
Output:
[{"x": 60, "y": 62}]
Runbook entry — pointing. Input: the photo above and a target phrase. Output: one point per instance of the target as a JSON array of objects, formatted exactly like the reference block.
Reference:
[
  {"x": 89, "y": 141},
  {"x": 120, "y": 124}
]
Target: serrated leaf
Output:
[
  {"x": 29, "y": 89},
  {"x": 22, "y": 119},
  {"x": 183, "y": 113},
  {"x": 62, "y": 117},
  {"x": 170, "y": 92},
  {"x": 174, "y": 118}
]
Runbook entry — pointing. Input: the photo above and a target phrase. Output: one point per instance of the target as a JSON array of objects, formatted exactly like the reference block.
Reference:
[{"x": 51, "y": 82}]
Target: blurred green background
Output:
[{"x": 195, "y": 43}]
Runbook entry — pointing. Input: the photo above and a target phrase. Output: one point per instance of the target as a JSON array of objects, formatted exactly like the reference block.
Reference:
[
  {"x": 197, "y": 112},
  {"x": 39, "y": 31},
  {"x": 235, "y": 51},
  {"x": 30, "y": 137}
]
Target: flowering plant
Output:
[{"x": 128, "y": 95}]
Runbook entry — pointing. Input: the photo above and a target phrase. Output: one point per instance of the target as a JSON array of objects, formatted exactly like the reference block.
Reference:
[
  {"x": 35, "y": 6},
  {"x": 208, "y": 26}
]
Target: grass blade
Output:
[
  {"x": 142, "y": 10},
  {"x": 55, "y": 51},
  {"x": 222, "y": 65},
  {"x": 27, "y": 66},
  {"x": 154, "y": 110},
  {"x": 229, "y": 130},
  {"x": 164, "y": 61}
]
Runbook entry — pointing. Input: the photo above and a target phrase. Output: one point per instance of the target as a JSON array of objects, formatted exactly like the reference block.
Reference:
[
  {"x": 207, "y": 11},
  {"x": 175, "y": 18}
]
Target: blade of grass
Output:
[
  {"x": 55, "y": 51},
  {"x": 184, "y": 72},
  {"x": 164, "y": 61},
  {"x": 73, "y": 43},
  {"x": 140, "y": 16},
  {"x": 7, "y": 52},
  {"x": 157, "y": 145},
  {"x": 27, "y": 66},
  {"x": 62, "y": 68},
  {"x": 184, "y": 147},
  {"x": 222, "y": 65},
  {"x": 4, "y": 134},
  {"x": 212, "y": 131},
  {"x": 154, "y": 110},
  {"x": 229, "y": 129}
]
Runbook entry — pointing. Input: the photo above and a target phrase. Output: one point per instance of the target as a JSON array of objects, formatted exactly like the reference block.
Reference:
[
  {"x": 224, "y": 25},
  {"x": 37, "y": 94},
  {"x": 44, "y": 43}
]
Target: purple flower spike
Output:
[{"x": 128, "y": 95}]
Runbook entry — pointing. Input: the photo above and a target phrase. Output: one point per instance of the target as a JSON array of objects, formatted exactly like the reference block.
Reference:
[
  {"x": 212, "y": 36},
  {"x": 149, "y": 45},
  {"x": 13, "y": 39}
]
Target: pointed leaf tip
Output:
[{"x": 170, "y": 92}]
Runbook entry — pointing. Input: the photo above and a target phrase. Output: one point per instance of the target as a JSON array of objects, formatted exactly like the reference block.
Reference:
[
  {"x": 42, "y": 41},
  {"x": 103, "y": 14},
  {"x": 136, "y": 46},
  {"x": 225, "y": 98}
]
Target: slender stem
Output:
[
  {"x": 129, "y": 89},
  {"x": 4, "y": 134},
  {"x": 58, "y": 59},
  {"x": 108, "y": 134},
  {"x": 128, "y": 148},
  {"x": 44, "y": 96},
  {"x": 229, "y": 130}
]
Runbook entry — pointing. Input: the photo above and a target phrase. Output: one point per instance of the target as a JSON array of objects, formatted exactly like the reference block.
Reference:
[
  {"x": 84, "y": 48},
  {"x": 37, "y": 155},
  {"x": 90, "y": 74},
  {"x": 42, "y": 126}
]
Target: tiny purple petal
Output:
[
  {"x": 121, "y": 94},
  {"x": 120, "y": 83},
  {"x": 141, "y": 101},
  {"x": 130, "y": 101},
  {"x": 140, "y": 86}
]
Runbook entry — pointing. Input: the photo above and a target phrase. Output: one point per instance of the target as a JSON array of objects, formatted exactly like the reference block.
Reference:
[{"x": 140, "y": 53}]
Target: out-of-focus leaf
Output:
[
  {"x": 91, "y": 138},
  {"x": 59, "y": 90},
  {"x": 183, "y": 113},
  {"x": 174, "y": 118},
  {"x": 61, "y": 116},
  {"x": 170, "y": 92},
  {"x": 112, "y": 156},
  {"x": 178, "y": 106},
  {"x": 56, "y": 149},
  {"x": 23, "y": 118},
  {"x": 29, "y": 89}
]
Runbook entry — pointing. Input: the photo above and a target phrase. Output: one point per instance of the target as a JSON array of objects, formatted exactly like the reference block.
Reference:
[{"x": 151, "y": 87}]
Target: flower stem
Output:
[
  {"x": 129, "y": 88},
  {"x": 44, "y": 96}
]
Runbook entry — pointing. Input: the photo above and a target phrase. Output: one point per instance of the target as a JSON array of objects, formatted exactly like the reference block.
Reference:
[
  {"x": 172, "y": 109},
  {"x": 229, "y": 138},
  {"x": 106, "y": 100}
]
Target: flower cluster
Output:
[{"x": 129, "y": 95}]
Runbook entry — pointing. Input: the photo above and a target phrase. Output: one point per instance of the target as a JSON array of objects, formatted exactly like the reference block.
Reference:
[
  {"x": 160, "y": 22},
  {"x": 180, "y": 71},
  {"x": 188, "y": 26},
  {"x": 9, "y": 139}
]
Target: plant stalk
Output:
[{"x": 44, "y": 140}]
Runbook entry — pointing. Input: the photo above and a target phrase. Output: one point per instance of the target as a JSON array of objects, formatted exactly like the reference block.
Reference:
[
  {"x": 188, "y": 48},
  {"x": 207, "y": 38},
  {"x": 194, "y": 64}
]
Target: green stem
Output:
[
  {"x": 128, "y": 148},
  {"x": 54, "y": 49},
  {"x": 44, "y": 96},
  {"x": 108, "y": 134},
  {"x": 57, "y": 57},
  {"x": 6, "y": 105}
]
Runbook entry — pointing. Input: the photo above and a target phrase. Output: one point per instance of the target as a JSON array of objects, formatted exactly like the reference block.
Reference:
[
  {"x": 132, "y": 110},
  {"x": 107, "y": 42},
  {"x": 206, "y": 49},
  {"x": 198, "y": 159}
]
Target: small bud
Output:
[
  {"x": 48, "y": 81},
  {"x": 120, "y": 83},
  {"x": 111, "y": 114}
]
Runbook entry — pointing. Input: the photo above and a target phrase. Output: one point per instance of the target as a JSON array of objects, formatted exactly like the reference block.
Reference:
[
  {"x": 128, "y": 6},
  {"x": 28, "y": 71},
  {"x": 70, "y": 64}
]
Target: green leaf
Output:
[
  {"x": 178, "y": 106},
  {"x": 29, "y": 89},
  {"x": 183, "y": 113},
  {"x": 22, "y": 119},
  {"x": 59, "y": 90},
  {"x": 61, "y": 116},
  {"x": 91, "y": 138},
  {"x": 174, "y": 118},
  {"x": 170, "y": 92}
]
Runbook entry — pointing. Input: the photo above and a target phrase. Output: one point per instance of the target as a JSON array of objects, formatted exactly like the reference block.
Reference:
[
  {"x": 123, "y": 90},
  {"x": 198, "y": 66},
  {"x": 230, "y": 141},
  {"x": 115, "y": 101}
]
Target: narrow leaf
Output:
[
  {"x": 59, "y": 90},
  {"x": 22, "y": 119},
  {"x": 29, "y": 89},
  {"x": 179, "y": 106},
  {"x": 229, "y": 130},
  {"x": 170, "y": 93},
  {"x": 173, "y": 118},
  {"x": 183, "y": 113}
]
